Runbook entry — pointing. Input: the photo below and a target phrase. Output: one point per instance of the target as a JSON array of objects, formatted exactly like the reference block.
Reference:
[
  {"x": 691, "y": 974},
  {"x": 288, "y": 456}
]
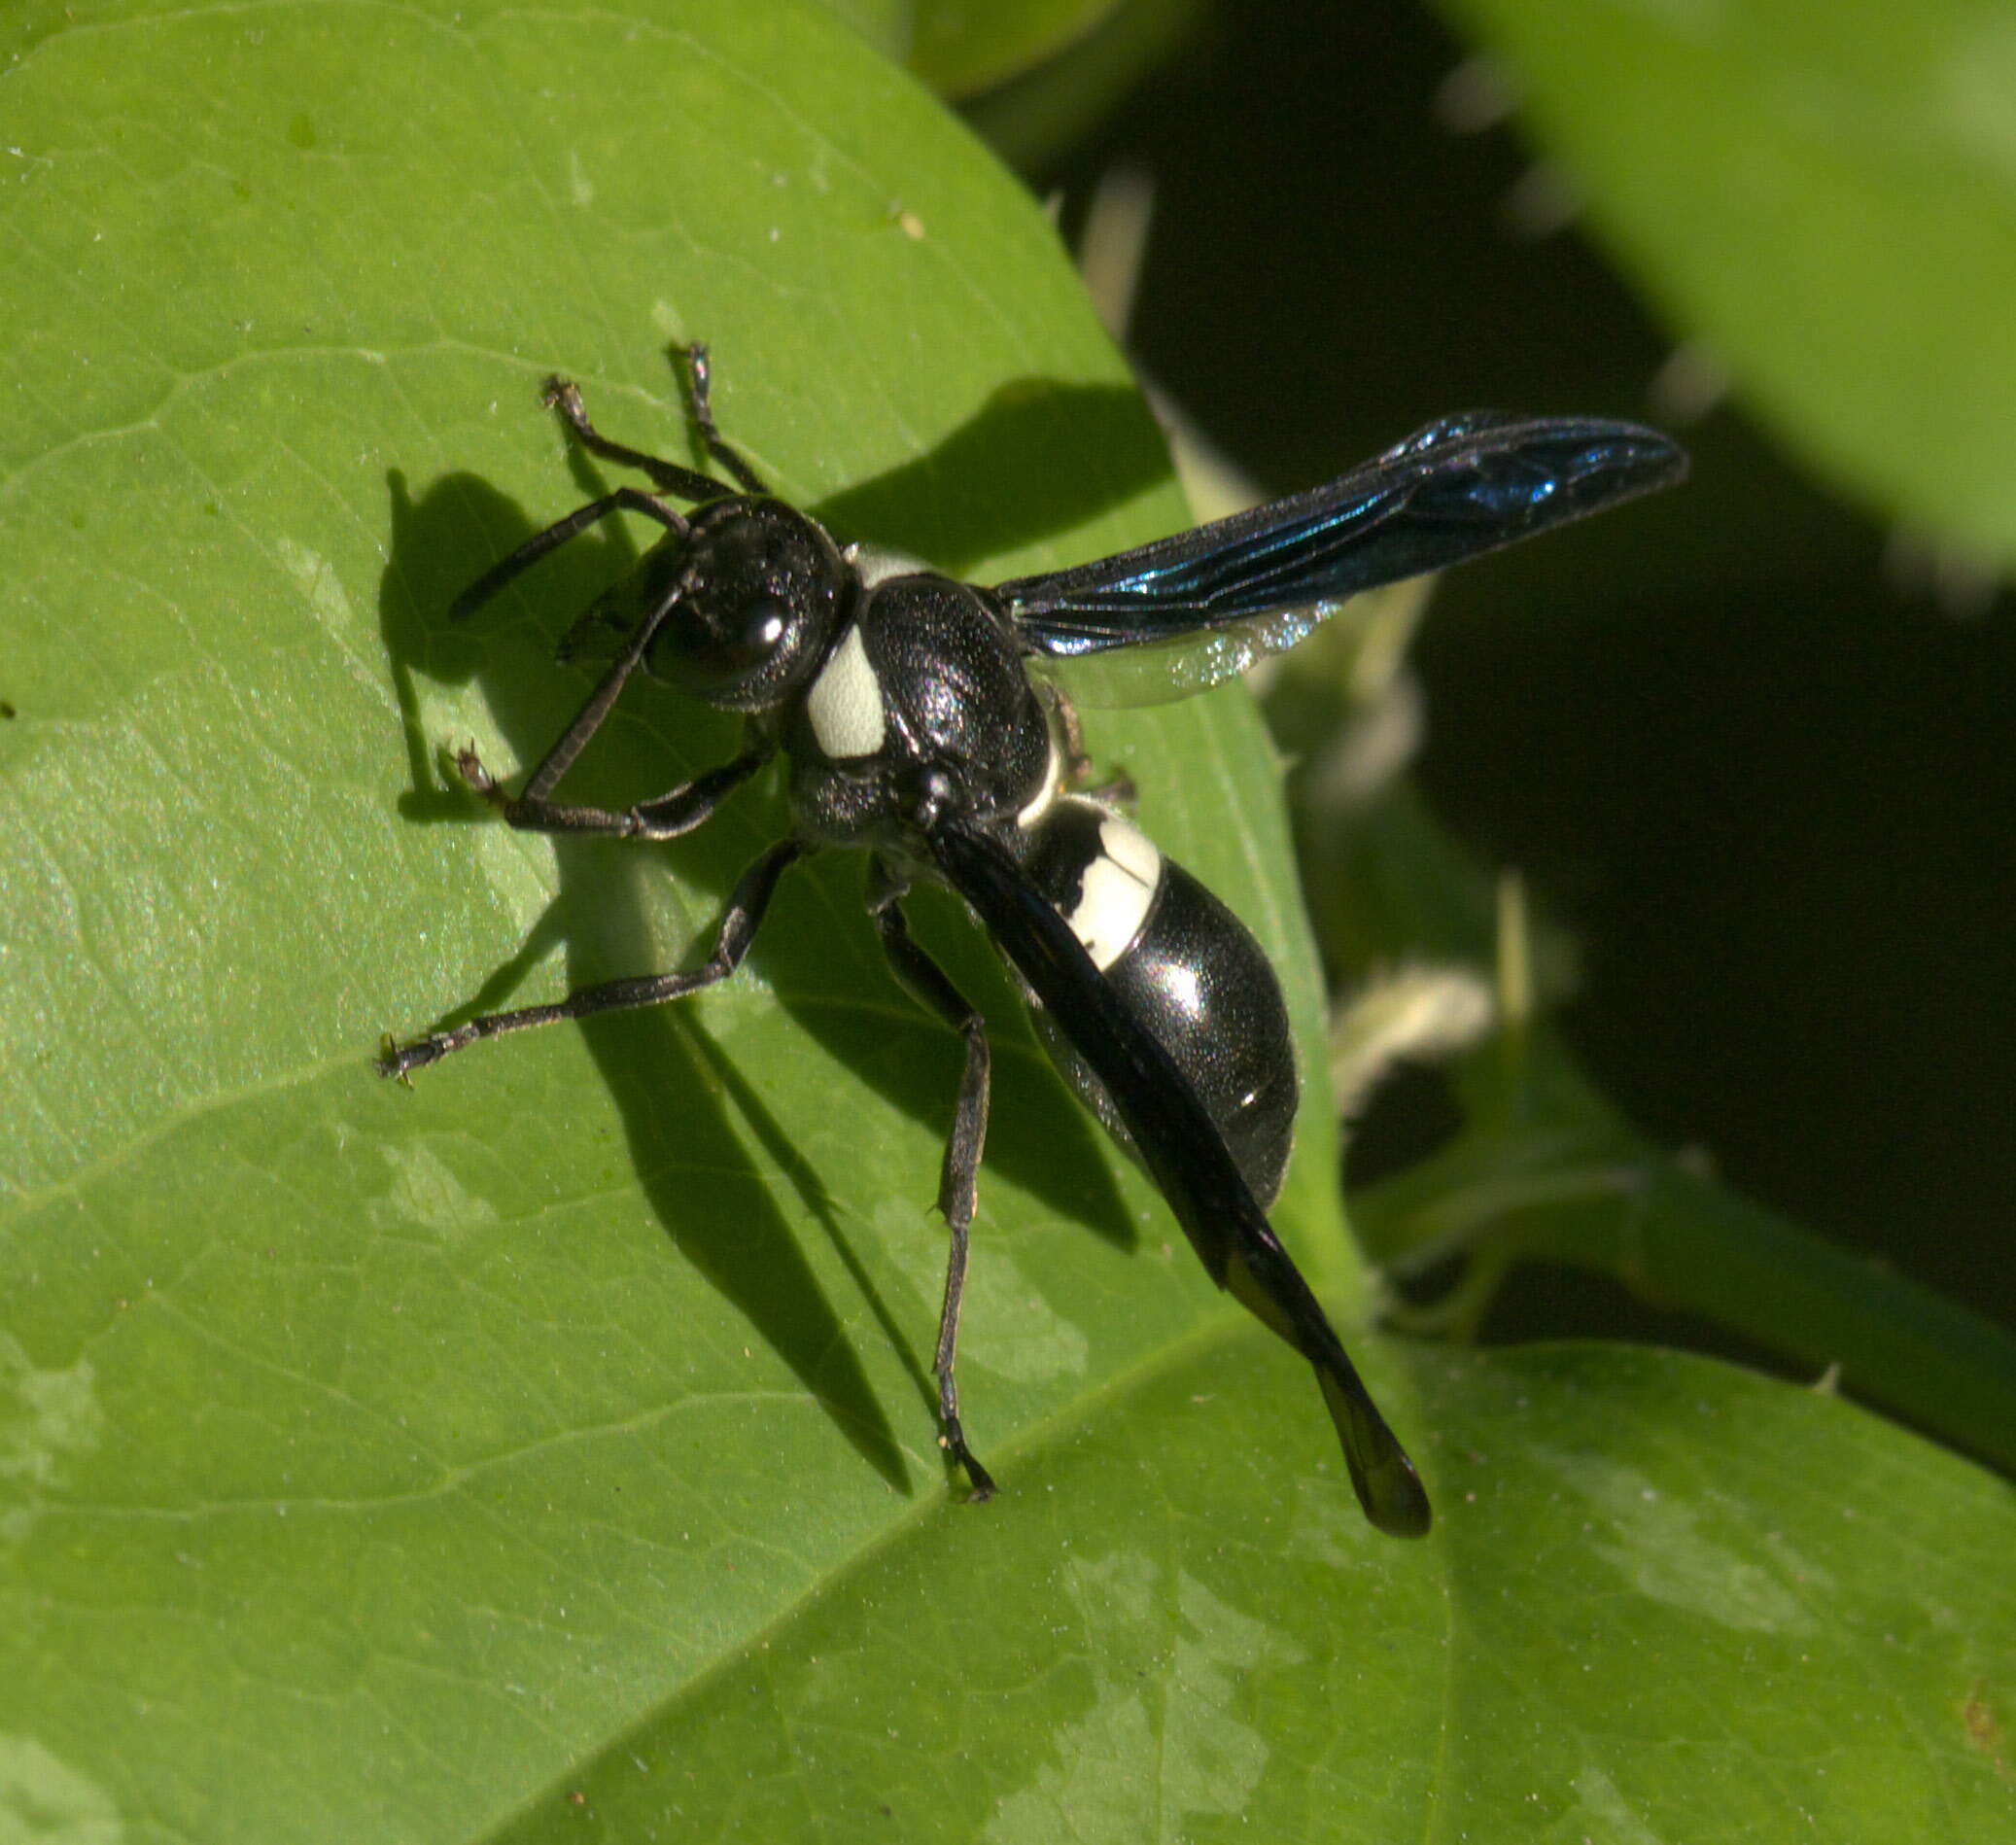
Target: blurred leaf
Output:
[
  {"x": 1820, "y": 195},
  {"x": 1039, "y": 112},
  {"x": 886, "y": 24},
  {"x": 962, "y": 47},
  {"x": 1543, "y": 1168},
  {"x": 1548, "y": 1172}
]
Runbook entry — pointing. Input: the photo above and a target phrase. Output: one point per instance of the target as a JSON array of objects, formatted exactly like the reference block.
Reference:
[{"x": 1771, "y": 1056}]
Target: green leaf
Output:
[
  {"x": 1718, "y": 1609},
  {"x": 1818, "y": 195},
  {"x": 1037, "y": 95},
  {"x": 382, "y": 1465},
  {"x": 422, "y": 1442},
  {"x": 960, "y": 48},
  {"x": 886, "y": 24}
]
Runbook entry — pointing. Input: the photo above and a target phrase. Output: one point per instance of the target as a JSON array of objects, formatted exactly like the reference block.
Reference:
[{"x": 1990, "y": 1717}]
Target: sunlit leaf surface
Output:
[{"x": 552, "y": 1442}]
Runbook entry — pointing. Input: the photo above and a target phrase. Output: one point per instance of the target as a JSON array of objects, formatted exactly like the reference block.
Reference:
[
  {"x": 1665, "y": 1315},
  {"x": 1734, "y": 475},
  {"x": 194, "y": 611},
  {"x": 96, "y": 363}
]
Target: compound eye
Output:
[
  {"x": 753, "y": 607},
  {"x": 764, "y": 624},
  {"x": 743, "y": 637}
]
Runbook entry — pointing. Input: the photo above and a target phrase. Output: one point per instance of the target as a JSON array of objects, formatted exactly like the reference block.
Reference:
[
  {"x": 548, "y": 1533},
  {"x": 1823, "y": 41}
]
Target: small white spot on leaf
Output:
[
  {"x": 45, "y": 1801},
  {"x": 321, "y": 589},
  {"x": 46, "y": 1417},
  {"x": 1655, "y": 1542},
  {"x": 426, "y": 1191}
]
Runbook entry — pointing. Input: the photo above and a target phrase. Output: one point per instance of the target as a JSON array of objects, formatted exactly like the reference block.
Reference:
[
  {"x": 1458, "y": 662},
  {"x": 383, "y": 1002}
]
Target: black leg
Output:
[
  {"x": 739, "y": 926},
  {"x": 630, "y": 499},
  {"x": 1077, "y": 764},
  {"x": 1118, "y": 790},
  {"x": 575, "y": 738},
  {"x": 668, "y": 816},
  {"x": 958, "y": 1178},
  {"x": 699, "y": 397},
  {"x": 690, "y": 484}
]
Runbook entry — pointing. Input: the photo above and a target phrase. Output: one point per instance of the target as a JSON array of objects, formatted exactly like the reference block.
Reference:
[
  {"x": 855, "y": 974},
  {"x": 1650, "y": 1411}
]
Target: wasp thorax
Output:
[{"x": 758, "y": 593}]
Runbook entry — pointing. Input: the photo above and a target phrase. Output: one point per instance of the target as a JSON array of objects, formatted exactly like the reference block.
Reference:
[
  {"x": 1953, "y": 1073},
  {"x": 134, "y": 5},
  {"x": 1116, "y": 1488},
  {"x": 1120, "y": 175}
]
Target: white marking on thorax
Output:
[
  {"x": 1118, "y": 888},
  {"x": 845, "y": 703},
  {"x": 873, "y": 563},
  {"x": 1052, "y": 783}
]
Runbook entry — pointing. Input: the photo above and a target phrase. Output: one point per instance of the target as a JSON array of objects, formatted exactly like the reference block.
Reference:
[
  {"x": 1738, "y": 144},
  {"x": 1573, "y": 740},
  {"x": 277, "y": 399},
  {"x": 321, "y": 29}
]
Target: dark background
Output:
[{"x": 1767, "y": 788}]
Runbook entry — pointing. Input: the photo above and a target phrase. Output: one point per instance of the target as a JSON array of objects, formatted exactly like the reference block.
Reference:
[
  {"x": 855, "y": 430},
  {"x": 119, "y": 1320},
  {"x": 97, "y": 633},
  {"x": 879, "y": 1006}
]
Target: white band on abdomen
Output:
[{"x": 1116, "y": 892}]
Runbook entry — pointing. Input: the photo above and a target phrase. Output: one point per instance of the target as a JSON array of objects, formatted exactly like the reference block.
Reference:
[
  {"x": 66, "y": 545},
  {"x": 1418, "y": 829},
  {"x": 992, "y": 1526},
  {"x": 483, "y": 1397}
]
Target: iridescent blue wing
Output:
[{"x": 1212, "y": 601}]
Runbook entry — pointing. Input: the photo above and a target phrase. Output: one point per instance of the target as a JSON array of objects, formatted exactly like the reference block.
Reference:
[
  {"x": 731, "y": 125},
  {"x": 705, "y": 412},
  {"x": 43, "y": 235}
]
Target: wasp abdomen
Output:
[{"x": 1185, "y": 965}]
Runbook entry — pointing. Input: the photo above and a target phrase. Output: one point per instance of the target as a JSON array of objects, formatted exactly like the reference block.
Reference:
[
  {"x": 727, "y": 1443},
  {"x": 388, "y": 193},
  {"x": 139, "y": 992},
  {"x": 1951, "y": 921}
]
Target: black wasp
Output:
[{"x": 914, "y": 727}]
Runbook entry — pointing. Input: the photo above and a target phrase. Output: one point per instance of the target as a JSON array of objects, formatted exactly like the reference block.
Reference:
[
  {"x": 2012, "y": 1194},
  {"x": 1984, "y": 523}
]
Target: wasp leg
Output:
[
  {"x": 677, "y": 811},
  {"x": 958, "y": 1178},
  {"x": 690, "y": 484},
  {"x": 1118, "y": 790},
  {"x": 668, "y": 816},
  {"x": 739, "y": 926},
  {"x": 624, "y": 498},
  {"x": 700, "y": 399}
]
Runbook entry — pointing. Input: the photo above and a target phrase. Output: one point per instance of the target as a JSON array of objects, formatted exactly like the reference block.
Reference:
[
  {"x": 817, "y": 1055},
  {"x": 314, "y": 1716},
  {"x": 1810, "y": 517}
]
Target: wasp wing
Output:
[
  {"x": 1185, "y": 1157},
  {"x": 1219, "y": 597}
]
